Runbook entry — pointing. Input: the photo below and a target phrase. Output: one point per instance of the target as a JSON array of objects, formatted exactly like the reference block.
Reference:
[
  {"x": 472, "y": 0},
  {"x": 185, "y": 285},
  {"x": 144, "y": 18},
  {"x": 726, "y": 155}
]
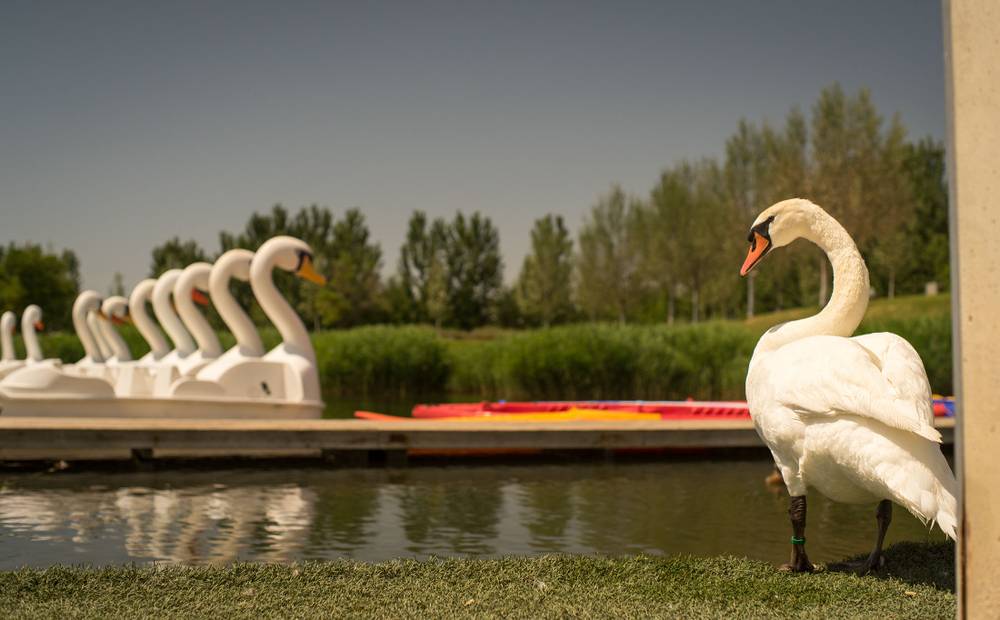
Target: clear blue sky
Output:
[{"x": 125, "y": 123}]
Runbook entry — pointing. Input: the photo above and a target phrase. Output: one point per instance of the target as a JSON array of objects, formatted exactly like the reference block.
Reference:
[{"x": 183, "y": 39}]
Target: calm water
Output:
[{"x": 704, "y": 508}]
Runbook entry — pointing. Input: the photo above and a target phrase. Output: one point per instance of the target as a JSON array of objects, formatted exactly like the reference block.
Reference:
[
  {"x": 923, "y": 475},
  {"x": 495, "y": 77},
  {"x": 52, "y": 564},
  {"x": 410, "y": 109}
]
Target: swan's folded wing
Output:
[
  {"x": 902, "y": 368},
  {"x": 829, "y": 376}
]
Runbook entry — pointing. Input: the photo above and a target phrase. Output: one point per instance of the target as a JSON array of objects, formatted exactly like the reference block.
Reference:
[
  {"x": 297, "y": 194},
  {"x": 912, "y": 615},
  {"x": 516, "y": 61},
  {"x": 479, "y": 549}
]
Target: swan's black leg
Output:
[
  {"x": 883, "y": 516},
  {"x": 800, "y": 561}
]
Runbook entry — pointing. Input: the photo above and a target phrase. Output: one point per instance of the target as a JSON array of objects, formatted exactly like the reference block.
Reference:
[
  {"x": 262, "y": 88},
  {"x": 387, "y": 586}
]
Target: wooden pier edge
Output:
[{"x": 24, "y": 438}]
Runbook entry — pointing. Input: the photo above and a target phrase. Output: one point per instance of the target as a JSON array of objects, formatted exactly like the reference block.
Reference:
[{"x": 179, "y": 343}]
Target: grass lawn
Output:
[{"x": 919, "y": 584}]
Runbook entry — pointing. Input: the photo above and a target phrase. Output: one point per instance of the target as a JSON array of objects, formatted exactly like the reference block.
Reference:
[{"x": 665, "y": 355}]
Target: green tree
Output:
[
  {"x": 690, "y": 199},
  {"x": 175, "y": 254},
  {"x": 419, "y": 257},
  {"x": 608, "y": 264},
  {"x": 924, "y": 166},
  {"x": 894, "y": 206},
  {"x": 351, "y": 296},
  {"x": 31, "y": 275},
  {"x": 544, "y": 290},
  {"x": 259, "y": 228},
  {"x": 436, "y": 290},
  {"x": 474, "y": 270},
  {"x": 743, "y": 174},
  {"x": 117, "y": 286},
  {"x": 762, "y": 166},
  {"x": 786, "y": 174}
]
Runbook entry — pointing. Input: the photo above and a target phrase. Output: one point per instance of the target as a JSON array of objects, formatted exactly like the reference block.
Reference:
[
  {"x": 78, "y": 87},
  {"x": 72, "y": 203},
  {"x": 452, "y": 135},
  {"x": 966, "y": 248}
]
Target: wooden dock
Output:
[{"x": 114, "y": 438}]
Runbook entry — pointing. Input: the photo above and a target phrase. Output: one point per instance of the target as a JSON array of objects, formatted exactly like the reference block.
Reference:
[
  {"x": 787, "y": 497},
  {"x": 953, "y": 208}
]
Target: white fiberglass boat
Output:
[
  {"x": 283, "y": 384},
  {"x": 8, "y": 357},
  {"x": 31, "y": 323}
]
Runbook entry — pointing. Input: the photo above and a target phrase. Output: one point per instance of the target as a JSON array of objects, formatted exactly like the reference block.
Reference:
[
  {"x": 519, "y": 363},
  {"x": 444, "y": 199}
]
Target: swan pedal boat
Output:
[{"x": 282, "y": 384}]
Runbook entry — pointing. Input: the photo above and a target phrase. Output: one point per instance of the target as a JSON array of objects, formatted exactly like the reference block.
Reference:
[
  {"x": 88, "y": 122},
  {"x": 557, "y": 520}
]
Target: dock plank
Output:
[{"x": 54, "y": 435}]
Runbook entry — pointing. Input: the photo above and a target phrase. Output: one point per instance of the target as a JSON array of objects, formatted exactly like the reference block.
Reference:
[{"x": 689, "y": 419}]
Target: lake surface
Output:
[{"x": 282, "y": 515}]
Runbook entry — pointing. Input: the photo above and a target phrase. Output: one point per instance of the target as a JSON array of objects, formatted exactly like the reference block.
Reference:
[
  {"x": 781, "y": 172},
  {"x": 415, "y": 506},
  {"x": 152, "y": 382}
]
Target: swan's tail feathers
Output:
[
  {"x": 901, "y": 414},
  {"x": 928, "y": 432},
  {"x": 938, "y": 504},
  {"x": 920, "y": 479},
  {"x": 946, "y": 521},
  {"x": 947, "y": 513}
]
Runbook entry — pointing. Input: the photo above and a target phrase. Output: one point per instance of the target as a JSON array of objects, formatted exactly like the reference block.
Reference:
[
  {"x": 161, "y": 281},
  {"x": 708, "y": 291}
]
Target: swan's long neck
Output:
[
  {"x": 90, "y": 349},
  {"x": 7, "y": 324},
  {"x": 32, "y": 349},
  {"x": 116, "y": 344},
  {"x": 165, "y": 313},
  {"x": 150, "y": 331},
  {"x": 234, "y": 264},
  {"x": 115, "y": 306},
  {"x": 849, "y": 301},
  {"x": 196, "y": 275},
  {"x": 293, "y": 331},
  {"x": 97, "y": 329}
]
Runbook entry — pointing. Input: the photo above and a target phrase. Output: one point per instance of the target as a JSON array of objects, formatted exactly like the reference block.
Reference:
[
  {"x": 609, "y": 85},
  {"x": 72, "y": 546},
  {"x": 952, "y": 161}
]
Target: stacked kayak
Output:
[
  {"x": 572, "y": 414},
  {"x": 564, "y": 411}
]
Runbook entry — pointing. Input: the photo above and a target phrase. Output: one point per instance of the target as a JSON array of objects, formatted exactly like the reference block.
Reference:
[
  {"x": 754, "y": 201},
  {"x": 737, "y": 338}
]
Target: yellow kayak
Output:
[{"x": 572, "y": 415}]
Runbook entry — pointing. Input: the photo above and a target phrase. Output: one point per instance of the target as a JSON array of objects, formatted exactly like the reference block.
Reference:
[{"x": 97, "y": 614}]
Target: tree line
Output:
[{"x": 670, "y": 255}]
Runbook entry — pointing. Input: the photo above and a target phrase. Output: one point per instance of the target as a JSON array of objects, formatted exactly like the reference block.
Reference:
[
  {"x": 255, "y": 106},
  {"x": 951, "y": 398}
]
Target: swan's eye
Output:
[
  {"x": 763, "y": 229},
  {"x": 303, "y": 255}
]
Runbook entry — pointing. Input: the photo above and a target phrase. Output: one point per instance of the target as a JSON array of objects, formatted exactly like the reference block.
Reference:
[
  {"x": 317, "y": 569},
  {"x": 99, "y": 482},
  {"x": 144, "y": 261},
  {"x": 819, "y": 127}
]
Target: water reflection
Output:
[{"x": 286, "y": 515}]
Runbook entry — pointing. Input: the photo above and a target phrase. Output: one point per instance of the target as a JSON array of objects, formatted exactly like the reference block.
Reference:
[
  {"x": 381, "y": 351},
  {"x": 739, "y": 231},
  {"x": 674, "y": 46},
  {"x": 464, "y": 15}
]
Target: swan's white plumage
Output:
[
  {"x": 850, "y": 417},
  {"x": 830, "y": 376}
]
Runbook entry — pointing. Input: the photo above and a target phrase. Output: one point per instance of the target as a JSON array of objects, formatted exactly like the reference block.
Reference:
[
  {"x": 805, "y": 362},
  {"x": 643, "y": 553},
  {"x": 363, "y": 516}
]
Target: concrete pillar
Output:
[{"x": 972, "y": 48}]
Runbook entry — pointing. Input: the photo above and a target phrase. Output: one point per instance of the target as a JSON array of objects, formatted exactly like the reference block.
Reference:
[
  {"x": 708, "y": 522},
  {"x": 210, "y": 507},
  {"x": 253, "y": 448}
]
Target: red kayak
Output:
[{"x": 673, "y": 410}]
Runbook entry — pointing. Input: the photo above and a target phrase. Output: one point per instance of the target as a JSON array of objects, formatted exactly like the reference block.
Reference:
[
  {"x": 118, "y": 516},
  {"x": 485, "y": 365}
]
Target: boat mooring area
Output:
[{"x": 354, "y": 442}]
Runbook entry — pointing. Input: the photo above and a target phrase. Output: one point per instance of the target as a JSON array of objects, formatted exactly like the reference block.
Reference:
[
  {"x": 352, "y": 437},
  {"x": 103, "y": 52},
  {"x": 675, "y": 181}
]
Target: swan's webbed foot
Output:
[
  {"x": 875, "y": 561},
  {"x": 872, "y": 564},
  {"x": 799, "y": 564}
]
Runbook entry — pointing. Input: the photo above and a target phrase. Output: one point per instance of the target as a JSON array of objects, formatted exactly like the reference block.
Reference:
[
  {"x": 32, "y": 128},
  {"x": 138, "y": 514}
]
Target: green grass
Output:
[
  {"x": 919, "y": 584},
  {"x": 382, "y": 360},
  {"x": 900, "y": 308},
  {"x": 606, "y": 361}
]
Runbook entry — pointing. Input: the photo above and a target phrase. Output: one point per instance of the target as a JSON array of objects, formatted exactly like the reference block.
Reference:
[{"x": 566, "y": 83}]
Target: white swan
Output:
[
  {"x": 8, "y": 356},
  {"x": 287, "y": 372},
  {"x": 187, "y": 289},
  {"x": 850, "y": 417},
  {"x": 85, "y": 379},
  {"x": 31, "y": 323}
]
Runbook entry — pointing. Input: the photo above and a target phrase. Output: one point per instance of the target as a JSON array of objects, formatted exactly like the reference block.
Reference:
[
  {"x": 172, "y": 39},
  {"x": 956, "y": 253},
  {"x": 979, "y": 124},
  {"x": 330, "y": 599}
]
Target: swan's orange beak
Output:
[
  {"x": 306, "y": 271},
  {"x": 118, "y": 320},
  {"x": 758, "y": 248},
  {"x": 39, "y": 326},
  {"x": 101, "y": 314},
  {"x": 198, "y": 297}
]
